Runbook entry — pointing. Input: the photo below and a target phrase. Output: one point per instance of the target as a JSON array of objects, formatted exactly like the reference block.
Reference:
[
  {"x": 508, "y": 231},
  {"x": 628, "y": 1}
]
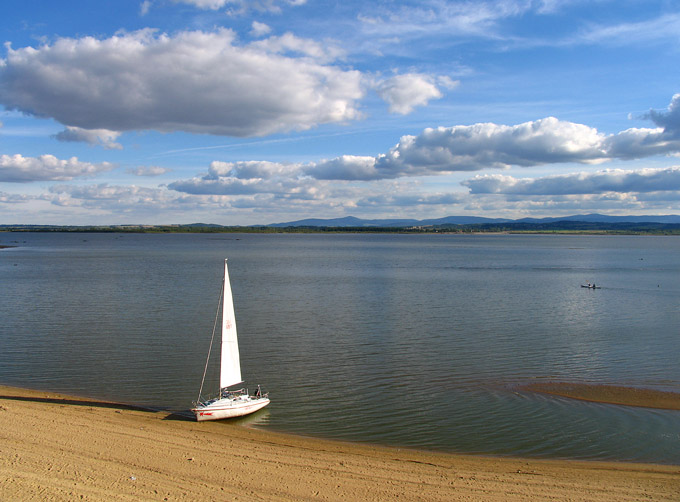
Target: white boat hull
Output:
[{"x": 229, "y": 408}]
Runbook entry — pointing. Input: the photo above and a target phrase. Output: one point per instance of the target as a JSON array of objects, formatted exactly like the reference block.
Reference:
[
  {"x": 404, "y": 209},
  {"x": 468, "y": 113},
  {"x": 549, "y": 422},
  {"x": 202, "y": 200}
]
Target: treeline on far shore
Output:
[{"x": 558, "y": 227}]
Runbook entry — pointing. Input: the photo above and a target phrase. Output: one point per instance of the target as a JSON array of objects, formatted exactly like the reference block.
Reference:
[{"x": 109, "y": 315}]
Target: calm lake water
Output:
[{"x": 409, "y": 340}]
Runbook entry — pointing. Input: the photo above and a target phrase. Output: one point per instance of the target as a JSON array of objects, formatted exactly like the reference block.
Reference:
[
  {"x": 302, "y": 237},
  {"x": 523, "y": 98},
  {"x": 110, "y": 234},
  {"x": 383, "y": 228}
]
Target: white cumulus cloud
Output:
[
  {"x": 102, "y": 137},
  {"x": 609, "y": 180},
  {"x": 670, "y": 119},
  {"x": 487, "y": 145},
  {"x": 445, "y": 150},
  {"x": 252, "y": 169},
  {"x": 259, "y": 29},
  {"x": 145, "y": 80},
  {"x": 20, "y": 169},
  {"x": 148, "y": 170},
  {"x": 346, "y": 167},
  {"x": 405, "y": 92},
  {"x": 244, "y": 178},
  {"x": 12, "y": 198}
]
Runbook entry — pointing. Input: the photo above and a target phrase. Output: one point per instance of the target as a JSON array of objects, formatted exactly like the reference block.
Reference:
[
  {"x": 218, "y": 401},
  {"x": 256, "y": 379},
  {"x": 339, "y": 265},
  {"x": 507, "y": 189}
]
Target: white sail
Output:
[{"x": 230, "y": 373}]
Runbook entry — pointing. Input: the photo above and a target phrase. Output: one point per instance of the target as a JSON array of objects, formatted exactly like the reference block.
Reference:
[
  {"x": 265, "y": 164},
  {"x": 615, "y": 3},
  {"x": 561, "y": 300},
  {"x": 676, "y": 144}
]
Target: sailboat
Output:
[{"x": 229, "y": 403}]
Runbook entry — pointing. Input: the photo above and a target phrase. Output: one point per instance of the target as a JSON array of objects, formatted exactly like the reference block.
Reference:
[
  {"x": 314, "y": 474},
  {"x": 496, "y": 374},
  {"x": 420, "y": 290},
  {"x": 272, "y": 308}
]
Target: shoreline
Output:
[
  {"x": 58, "y": 447},
  {"x": 588, "y": 228}
]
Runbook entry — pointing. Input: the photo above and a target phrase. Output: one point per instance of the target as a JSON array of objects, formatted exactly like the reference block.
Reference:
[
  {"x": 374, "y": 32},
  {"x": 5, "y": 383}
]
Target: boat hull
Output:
[{"x": 229, "y": 408}]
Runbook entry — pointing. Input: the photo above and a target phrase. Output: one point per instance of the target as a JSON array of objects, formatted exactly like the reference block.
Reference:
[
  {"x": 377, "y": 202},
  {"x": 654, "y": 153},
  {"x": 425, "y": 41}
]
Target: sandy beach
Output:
[{"x": 57, "y": 447}]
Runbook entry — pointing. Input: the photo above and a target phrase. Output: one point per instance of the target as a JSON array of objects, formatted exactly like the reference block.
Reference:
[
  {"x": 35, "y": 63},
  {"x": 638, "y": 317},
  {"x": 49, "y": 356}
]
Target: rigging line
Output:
[{"x": 205, "y": 370}]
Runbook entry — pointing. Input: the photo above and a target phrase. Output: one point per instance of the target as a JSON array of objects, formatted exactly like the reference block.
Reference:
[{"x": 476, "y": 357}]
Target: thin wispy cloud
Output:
[
  {"x": 662, "y": 29},
  {"x": 429, "y": 18},
  {"x": 242, "y": 6}
]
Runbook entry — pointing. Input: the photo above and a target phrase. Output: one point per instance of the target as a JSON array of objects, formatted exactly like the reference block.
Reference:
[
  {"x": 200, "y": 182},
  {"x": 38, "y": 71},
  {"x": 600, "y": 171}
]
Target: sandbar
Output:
[
  {"x": 611, "y": 394},
  {"x": 56, "y": 447}
]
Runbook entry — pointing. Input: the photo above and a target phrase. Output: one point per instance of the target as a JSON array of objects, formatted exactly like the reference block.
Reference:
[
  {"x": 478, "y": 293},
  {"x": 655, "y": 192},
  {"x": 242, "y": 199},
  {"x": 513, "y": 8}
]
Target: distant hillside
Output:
[
  {"x": 348, "y": 221},
  {"x": 582, "y": 223},
  {"x": 351, "y": 221},
  {"x": 602, "y": 218}
]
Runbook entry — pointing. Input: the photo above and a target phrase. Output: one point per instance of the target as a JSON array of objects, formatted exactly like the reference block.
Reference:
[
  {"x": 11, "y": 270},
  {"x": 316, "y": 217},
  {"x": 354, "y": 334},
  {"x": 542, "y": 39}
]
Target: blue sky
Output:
[{"x": 254, "y": 112}]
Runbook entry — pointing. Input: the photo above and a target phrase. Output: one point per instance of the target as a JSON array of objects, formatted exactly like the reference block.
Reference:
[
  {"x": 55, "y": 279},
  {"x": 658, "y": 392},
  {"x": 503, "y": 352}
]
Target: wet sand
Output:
[
  {"x": 612, "y": 394},
  {"x": 55, "y": 447}
]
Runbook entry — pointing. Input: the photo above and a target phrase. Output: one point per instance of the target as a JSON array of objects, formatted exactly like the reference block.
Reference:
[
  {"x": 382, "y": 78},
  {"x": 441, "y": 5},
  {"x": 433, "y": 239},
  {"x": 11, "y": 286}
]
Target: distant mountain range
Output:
[
  {"x": 351, "y": 221},
  {"x": 665, "y": 224}
]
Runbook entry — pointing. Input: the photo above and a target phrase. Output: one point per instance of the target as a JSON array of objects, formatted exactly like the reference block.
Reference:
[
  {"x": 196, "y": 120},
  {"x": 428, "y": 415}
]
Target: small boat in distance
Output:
[
  {"x": 590, "y": 286},
  {"x": 228, "y": 403}
]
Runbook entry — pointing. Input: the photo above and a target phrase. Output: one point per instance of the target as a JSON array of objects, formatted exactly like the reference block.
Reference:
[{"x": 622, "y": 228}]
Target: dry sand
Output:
[{"x": 54, "y": 447}]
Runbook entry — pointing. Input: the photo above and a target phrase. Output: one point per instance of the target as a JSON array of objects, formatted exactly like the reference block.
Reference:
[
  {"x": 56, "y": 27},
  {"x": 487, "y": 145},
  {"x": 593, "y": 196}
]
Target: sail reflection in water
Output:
[{"x": 408, "y": 340}]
